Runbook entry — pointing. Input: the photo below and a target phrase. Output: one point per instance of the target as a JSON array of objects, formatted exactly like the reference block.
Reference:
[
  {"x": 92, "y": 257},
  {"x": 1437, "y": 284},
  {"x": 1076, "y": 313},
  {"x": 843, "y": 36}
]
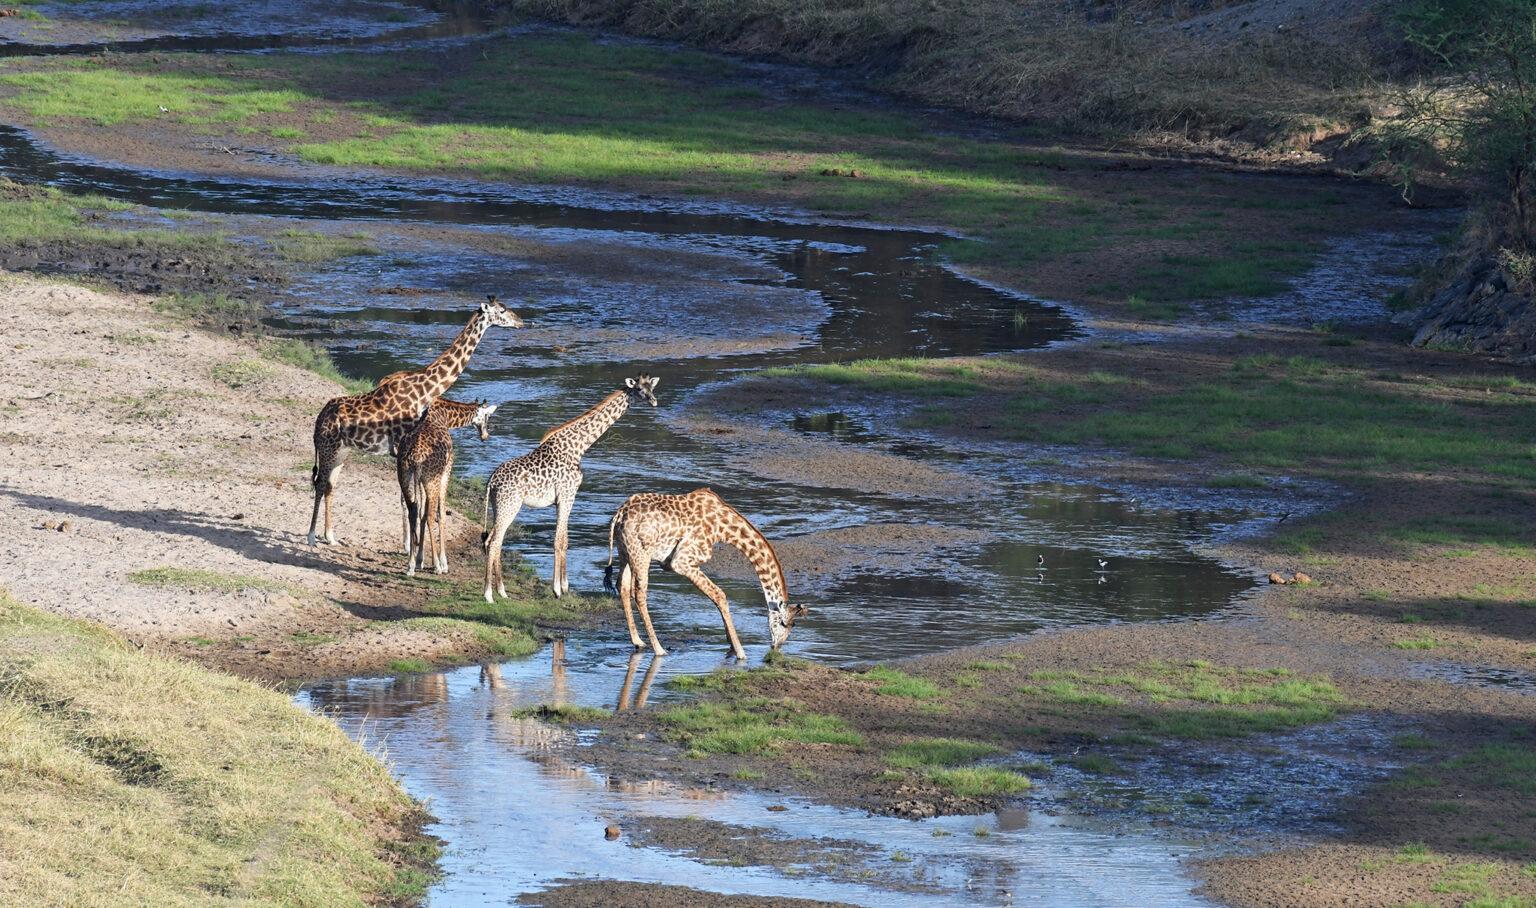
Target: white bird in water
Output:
[
  {"x": 1039, "y": 578},
  {"x": 1040, "y": 560},
  {"x": 1103, "y": 563}
]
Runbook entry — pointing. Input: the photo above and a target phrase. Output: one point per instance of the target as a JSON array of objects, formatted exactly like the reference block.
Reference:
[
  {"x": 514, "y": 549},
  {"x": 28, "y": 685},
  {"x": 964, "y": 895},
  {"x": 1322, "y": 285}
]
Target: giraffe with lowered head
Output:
[
  {"x": 423, "y": 466},
  {"x": 550, "y": 475},
  {"x": 375, "y": 422},
  {"x": 681, "y": 532}
]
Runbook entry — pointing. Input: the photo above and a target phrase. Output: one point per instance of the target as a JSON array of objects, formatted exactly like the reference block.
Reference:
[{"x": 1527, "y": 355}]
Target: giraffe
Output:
[
  {"x": 551, "y": 474},
  {"x": 681, "y": 532},
  {"x": 423, "y": 465},
  {"x": 376, "y": 421}
]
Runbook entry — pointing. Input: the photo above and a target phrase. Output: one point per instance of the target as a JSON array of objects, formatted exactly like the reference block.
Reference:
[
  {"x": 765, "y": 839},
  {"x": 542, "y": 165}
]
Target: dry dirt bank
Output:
[{"x": 135, "y": 444}]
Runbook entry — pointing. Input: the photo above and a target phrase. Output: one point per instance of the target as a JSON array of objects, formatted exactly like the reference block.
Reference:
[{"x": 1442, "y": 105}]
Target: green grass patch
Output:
[
  {"x": 980, "y": 781},
  {"x": 213, "y": 309},
  {"x": 312, "y": 247},
  {"x": 1507, "y": 767},
  {"x": 1195, "y": 699},
  {"x": 409, "y": 666},
  {"x": 563, "y": 713},
  {"x": 1356, "y": 422},
  {"x": 907, "y": 376},
  {"x": 133, "y": 779},
  {"x": 896, "y": 683},
  {"x": 930, "y": 752},
  {"x": 1096, "y": 764},
  {"x": 197, "y": 580},
  {"x": 240, "y": 373},
  {"x": 310, "y": 357},
  {"x": 753, "y": 725},
  {"x": 1416, "y": 643},
  {"x": 106, "y": 96}
]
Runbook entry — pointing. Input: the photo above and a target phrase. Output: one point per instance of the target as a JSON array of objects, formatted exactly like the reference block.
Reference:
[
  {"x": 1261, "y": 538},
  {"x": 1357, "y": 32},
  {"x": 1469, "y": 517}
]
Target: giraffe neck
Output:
[
  {"x": 740, "y": 534},
  {"x": 445, "y": 370},
  {"x": 450, "y": 414},
  {"x": 584, "y": 431}
]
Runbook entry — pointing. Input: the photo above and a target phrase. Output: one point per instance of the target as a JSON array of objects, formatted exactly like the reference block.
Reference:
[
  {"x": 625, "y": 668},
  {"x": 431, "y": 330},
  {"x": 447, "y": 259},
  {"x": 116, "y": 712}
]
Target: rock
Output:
[
  {"x": 612, "y": 832},
  {"x": 914, "y": 809},
  {"x": 1301, "y": 578},
  {"x": 65, "y": 526},
  {"x": 777, "y": 808},
  {"x": 1276, "y": 578},
  {"x": 1481, "y": 310},
  {"x": 48, "y": 525}
]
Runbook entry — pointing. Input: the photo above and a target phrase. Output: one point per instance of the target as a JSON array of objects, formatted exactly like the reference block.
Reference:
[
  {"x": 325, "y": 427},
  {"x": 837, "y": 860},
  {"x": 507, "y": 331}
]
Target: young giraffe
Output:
[
  {"x": 681, "y": 532},
  {"x": 375, "y": 422},
  {"x": 551, "y": 474},
  {"x": 423, "y": 466}
]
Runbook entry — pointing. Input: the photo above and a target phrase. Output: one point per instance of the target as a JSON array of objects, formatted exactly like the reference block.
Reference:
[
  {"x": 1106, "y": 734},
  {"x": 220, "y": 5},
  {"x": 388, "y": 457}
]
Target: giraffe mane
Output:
[{"x": 570, "y": 422}]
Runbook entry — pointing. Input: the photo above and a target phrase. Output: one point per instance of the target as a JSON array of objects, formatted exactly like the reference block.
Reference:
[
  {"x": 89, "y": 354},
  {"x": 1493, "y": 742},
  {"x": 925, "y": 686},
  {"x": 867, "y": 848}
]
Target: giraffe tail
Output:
[
  {"x": 485, "y": 517},
  {"x": 608, "y": 571}
]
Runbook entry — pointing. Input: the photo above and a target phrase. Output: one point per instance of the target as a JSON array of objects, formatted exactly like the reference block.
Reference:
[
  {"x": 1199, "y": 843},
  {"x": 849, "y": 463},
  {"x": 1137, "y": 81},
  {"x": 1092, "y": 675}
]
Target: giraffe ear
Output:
[
  {"x": 653, "y": 382},
  {"x": 629, "y": 382}
]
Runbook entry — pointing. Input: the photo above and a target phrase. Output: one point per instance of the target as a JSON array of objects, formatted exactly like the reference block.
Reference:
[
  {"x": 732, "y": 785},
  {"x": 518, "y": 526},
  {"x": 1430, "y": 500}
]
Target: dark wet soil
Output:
[
  {"x": 607, "y": 894},
  {"x": 713, "y": 842}
]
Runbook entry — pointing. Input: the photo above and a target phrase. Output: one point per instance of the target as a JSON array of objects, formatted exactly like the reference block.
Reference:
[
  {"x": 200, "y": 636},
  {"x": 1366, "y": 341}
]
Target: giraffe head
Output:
[
  {"x": 641, "y": 387},
  {"x": 781, "y": 618},
  {"x": 482, "y": 419},
  {"x": 497, "y": 314}
]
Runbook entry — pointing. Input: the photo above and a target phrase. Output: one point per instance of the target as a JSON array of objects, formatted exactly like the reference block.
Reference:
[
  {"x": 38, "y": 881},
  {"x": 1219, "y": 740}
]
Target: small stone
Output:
[
  {"x": 48, "y": 525},
  {"x": 64, "y": 526},
  {"x": 611, "y": 833},
  {"x": 1276, "y": 578},
  {"x": 1301, "y": 578},
  {"x": 237, "y": 517},
  {"x": 777, "y": 808}
]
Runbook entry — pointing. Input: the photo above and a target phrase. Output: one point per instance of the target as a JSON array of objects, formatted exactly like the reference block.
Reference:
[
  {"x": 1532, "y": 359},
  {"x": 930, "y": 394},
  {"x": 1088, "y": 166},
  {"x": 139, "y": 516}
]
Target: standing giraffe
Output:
[
  {"x": 423, "y": 465},
  {"x": 375, "y": 422},
  {"x": 551, "y": 474},
  {"x": 681, "y": 532}
]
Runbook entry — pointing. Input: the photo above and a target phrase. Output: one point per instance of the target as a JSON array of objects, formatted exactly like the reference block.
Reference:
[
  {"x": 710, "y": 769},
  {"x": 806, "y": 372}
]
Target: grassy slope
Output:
[
  {"x": 1037, "y": 59},
  {"x": 567, "y": 109},
  {"x": 133, "y": 779}
]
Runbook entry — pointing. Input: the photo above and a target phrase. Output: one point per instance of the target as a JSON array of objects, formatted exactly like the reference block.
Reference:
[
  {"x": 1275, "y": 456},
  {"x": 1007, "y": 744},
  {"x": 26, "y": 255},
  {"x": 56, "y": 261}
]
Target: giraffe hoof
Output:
[{"x": 311, "y": 540}]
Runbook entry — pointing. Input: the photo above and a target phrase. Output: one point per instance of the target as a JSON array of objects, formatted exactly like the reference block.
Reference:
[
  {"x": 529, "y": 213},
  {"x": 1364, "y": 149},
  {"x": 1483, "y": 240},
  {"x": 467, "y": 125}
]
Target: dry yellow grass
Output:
[{"x": 131, "y": 779}]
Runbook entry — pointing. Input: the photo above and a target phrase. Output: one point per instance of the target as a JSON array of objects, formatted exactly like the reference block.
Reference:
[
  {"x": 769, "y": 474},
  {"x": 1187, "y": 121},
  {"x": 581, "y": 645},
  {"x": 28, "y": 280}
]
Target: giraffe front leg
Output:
[
  {"x": 717, "y": 596},
  {"x": 562, "y": 540},
  {"x": 441, "y": 517}
]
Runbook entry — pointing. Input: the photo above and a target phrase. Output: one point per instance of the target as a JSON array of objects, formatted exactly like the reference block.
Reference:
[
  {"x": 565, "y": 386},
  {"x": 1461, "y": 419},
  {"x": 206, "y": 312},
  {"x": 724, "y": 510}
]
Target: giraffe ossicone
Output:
[
  {"x": 550, "y": 474},
  {"x": 681, "y": 532}
]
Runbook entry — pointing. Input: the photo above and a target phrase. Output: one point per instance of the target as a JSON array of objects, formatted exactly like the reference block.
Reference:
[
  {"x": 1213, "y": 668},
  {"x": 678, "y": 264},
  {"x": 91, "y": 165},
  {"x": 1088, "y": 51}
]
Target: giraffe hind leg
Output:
[
  {"x": 626, "y": 598},
  {"x": 641, "y": 588}
]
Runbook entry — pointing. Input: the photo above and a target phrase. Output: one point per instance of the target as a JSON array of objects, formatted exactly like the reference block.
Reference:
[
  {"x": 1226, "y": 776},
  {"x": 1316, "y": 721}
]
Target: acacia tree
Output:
[{"x": 1478, "y": 110}]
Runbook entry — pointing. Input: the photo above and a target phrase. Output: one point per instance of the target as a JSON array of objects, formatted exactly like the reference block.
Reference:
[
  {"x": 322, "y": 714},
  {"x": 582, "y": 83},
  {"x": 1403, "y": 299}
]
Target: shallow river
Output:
[{"x": 910, "y": 546}]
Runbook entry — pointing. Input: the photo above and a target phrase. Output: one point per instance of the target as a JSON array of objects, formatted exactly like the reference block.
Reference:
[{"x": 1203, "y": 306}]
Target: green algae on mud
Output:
[
  {"x": 301, "y": 813},
  {"x": 571, "y": 109}
]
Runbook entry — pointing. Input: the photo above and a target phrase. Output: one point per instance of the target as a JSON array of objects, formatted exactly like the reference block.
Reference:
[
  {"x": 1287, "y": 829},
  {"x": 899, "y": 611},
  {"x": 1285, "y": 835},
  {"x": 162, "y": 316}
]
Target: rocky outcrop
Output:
[{"x": 1482, "y": 310}]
